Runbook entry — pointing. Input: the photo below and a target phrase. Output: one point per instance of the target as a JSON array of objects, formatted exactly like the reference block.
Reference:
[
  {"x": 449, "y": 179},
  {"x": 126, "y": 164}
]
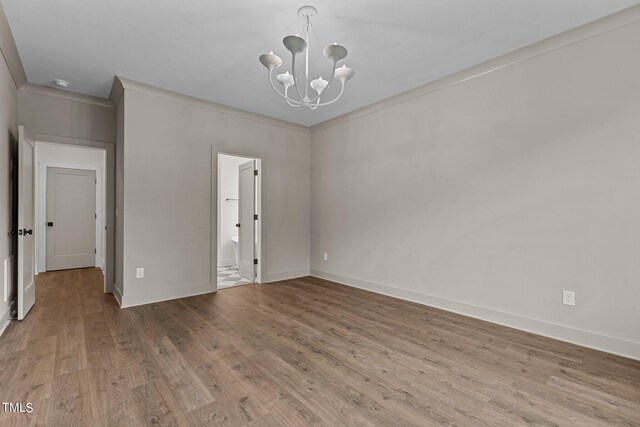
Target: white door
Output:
[
  {"x": 246, "y": 220},
  {"x": 26, "y": 252},
  {"x": 71, "y": 218}
]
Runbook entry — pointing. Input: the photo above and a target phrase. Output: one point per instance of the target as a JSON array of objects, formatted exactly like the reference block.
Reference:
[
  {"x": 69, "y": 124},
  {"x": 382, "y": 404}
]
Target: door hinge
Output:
[
  {"x": 95, "y": 215},
  {"x": 255, "y": 216},
  {"x": 96, "y": 180},
  {"x": 255, "y": 172},
  {"x": 255, "y": 262},
  {"x": 95, "y": 251}
]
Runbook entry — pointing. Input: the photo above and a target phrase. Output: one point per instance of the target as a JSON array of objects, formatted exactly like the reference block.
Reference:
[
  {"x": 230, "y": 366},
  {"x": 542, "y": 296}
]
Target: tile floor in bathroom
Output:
[{"x": 228, "y": 277}]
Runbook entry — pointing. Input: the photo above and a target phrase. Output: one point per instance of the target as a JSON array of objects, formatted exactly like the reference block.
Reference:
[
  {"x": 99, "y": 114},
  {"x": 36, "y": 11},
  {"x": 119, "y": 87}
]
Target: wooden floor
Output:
[{"x": 298, "y": 352}]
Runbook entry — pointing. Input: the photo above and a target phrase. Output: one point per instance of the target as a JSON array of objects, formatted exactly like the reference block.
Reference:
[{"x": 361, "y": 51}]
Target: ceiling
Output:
[{"x": 209, "y": 49}]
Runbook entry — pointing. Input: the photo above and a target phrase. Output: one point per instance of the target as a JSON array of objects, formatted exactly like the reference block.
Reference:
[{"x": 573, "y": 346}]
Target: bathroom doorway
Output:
[{"x": 238, "y": 219}]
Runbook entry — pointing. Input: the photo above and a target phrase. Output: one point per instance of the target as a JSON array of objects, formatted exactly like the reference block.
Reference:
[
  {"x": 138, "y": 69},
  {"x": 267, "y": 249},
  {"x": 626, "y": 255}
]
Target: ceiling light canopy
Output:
[{"x": 296, "y": 45}]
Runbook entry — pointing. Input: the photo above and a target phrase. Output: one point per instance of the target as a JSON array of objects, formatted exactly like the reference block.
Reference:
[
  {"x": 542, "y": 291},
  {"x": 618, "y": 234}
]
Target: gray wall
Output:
[
  {"x": 56, "y": 116},
  {"x": 167, "y": 209},
  {"x": 489, "y": 195},
  {"x": 8, "y": 136},
  {"x": 48, "y": 111}
]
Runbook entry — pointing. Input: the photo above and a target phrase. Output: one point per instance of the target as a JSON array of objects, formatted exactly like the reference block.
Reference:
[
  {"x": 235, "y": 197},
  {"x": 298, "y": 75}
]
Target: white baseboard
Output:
[
  {"x": 226, "y": 262},
  {"x": 285, "y": 275},
  {"x": 165, "y": 295},
  {"x": 5, "y": 320},
  {"x": 117, "y": 295},
  {"x": 580, "y": 337}
]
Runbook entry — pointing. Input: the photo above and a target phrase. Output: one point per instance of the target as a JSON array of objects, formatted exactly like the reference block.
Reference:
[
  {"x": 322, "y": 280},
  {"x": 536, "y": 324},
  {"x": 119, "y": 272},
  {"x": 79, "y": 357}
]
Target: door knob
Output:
[
  {"x": 238, "y": 225},
  {"x": 27, "y": 231},
  {"x": 49, "y": 224}
]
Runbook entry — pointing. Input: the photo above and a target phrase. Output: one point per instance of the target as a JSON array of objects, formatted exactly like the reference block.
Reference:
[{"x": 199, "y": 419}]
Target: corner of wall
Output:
[
  {"x": 117, "y": 90},
  {"x": 12, "y": 76},
  {"x": 10, "y": 51}
]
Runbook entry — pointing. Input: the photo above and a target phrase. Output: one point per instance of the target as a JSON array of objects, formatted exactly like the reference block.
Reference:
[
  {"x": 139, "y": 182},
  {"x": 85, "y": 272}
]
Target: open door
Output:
[
  {"x": 246, "y": 220},
  {"x": 25, "y": 258}
]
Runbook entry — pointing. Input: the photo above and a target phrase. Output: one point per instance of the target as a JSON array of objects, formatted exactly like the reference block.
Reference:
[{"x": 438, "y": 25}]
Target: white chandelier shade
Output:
[{"x": 296, "y": 45}]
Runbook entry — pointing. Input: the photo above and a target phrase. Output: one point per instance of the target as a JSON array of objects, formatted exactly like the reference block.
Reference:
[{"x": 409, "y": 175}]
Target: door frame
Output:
[
  {"x": 42, "y": 208},
  {"x": 215, "y": 207}
]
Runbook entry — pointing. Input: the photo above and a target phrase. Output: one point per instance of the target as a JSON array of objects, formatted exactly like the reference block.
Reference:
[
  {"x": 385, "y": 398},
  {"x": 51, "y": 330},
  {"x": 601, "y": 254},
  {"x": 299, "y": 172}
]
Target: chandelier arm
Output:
[
  {"x": 289, "y": 101},
  {"x": 295, "y": 79},
  {"x": 331, "y": 78},
  {"x": 334, "y": 99},
  {"x": 298, "y": 103}
]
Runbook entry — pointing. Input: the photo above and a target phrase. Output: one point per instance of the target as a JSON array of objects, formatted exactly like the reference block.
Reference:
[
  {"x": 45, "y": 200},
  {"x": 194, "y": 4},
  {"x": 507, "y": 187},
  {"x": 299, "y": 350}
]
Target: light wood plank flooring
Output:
[{"x": 294, "y": 353}]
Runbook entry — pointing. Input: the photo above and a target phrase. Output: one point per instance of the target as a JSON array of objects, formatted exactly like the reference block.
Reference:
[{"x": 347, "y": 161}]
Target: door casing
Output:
[
  {"x": 260, "y": 252},
  {"x": 42, "y": 203}
]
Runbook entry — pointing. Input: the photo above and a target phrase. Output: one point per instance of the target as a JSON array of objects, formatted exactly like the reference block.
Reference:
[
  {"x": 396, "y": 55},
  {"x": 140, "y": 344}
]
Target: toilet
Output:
[{"x": 234, "y": 241}]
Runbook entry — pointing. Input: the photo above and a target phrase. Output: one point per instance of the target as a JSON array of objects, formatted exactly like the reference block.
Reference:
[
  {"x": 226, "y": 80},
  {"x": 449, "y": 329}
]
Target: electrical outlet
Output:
[
  {"x": 326, "y": 256},
  {"x": 568, "y": 297},
  {"x": 139, "y": 273}
]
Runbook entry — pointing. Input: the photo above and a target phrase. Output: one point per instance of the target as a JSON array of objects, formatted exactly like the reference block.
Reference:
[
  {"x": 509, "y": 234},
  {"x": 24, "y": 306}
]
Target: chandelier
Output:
[{"x": 295, "y": 45}]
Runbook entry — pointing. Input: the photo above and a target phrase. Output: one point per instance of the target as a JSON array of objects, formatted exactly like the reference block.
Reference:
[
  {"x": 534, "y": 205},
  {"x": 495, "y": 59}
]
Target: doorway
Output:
[
  {"x": 238, "y": 220},
  {"x": 70, "y": 207},
  {"x": 30, "y": 167}
]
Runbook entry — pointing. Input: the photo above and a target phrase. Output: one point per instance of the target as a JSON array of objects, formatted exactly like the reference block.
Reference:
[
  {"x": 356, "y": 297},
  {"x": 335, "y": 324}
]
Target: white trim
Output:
[
  {"x": 165, "y": 295},
  {"x": 260, "y": 207},
  {"x": 227, "y": 262},
  {"x": 117, "y": 295},
  {"x": 570, "y": 37},
  {"x": 580, "y": 337},
  {"x": 258, "y": 231},
  {"x": 108, "y": 148},
  {"x": 5, "y": 321},
  {"x": 63, "y": 94},
  {"x": 9, "y": 52},
  {"x": 128, "y": 84},
  {"x": 42, "y": 206},
  {"x": 286, "y": 275},
  {"x": 7, "y": 277}
]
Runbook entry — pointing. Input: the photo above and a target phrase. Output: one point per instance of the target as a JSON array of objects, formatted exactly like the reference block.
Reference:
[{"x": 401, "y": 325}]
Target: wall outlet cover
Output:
[
  {"x": 568, "y": 297},
  {"x": 326, "y": 256},
  {"x": 139, "y": 273}
]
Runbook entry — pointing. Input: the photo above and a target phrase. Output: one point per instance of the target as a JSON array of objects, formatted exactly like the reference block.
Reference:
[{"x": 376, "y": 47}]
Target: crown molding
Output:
[
  {"x": 10, "y": 51},
  {"x": 584, "y": 32},
  {"x": 117, "y": 89},
  {"x": 71, "y": 96},
  {"x": 128, "y": 84}
]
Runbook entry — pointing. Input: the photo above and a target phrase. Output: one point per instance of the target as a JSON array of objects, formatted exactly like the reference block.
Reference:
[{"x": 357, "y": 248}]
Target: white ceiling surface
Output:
[{"x": 209, "y": 49}]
